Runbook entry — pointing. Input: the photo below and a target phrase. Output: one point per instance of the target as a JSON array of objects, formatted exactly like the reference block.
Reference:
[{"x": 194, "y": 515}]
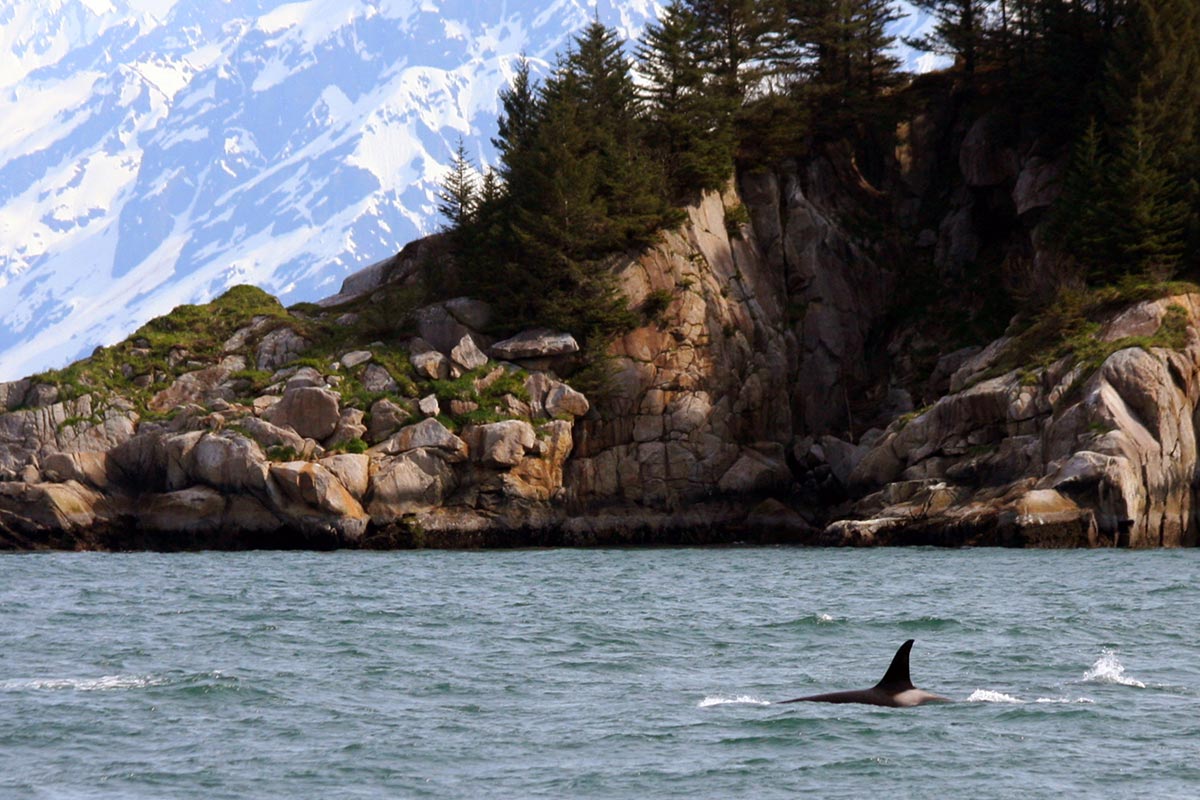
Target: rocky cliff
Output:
[{"x": 770, "y": 394}]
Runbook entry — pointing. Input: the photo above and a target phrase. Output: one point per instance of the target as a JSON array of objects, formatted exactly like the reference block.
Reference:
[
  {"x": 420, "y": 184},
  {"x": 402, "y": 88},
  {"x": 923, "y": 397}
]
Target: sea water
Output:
[{"x": 597, "y": 674}]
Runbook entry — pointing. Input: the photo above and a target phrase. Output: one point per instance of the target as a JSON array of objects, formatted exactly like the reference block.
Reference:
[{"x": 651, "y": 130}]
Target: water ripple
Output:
[{"x": 595, "y": 674}]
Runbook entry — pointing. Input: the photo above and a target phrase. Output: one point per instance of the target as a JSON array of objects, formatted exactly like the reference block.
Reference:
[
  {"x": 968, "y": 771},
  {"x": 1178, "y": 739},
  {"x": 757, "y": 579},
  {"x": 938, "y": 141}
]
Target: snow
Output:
[{"x": 156, "y": 151}]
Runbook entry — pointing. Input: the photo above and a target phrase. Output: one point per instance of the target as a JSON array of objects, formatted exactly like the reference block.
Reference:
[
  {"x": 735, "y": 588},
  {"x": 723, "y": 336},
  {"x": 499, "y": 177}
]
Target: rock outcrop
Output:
[
  {"x": 294, "y": 462},
  {"x": 769, "y": 395}
]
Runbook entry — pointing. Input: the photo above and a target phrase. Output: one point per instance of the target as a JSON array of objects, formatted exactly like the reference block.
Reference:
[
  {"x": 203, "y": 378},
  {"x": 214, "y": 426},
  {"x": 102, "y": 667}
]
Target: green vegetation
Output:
[
  {"x": 592, "y": 164},
  {"x": 655, "y": 305},
  {"x": 735, "y": 217},
  {"x": 165, "y": 347},
  {"x": 193, "y": 337},
  {"x": 1068, "y": 327},
  {"x": 1131, "y": 198},
  {"x": 282, "y": 453}
]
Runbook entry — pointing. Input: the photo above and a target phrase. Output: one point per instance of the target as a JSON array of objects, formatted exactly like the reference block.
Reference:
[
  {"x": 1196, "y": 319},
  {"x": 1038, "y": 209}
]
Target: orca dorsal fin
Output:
[{"x": 896, "y": 679}]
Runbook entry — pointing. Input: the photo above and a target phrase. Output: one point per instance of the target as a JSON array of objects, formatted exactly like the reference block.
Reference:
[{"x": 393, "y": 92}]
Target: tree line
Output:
[{"x": 600, "y": 155}]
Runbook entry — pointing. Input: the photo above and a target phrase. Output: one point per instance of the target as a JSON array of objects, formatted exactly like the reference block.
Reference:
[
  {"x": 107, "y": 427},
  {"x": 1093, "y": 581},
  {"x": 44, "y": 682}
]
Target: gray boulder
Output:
[
  {"x": 467, "y": 354},
  {"x": 312, "y": 412},
  {"x": 502, "y": 443},
  {"x": 386, "y": 418},
  {"x": 279, "y": 348}
]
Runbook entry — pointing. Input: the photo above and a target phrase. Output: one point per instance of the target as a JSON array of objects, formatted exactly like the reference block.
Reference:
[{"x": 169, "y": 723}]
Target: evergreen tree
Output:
[
  {"x": 1130, "y": 202},
  {"x": 518, "y": 116},
  {"x": 834, "y": 56},
  {"x": 629, "y": 185},
  {"x": 1150, "y": 214},
  {"x": 734, "y": 43},
  {"x": 458, "y": 195},
  {"x": 579, "y": 186},
  {"x": 490, "y": 191},
  {"x": 690, "y": 126},
  {"x": 1154, "y": 71},
  {"x": 960, "y": 30},
  {"x": 851, "y": 43},
  {"x": 1081, "y": 219}
]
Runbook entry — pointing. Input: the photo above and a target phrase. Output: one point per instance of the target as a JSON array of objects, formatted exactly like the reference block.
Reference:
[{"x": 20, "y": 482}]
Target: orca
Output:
[{"x": 895, "y": 690}]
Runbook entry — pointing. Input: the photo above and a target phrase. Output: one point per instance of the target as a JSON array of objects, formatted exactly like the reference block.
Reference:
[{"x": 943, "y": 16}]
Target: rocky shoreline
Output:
[{"x": 765, "y": 398}]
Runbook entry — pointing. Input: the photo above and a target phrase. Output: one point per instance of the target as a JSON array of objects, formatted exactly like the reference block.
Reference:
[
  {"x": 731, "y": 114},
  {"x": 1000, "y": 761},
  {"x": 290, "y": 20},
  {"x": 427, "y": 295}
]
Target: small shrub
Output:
[
  {"x": 282, "y": 452},
  {"x": 655, "y": 305},
  {"x": 735, "y": 218}
]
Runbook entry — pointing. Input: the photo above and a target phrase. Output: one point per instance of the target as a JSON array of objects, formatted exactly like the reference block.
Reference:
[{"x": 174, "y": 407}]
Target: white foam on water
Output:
[
  {"x": 101, "y": 684},
  {"x": 1108, "y": 669},
  {"x": 740, "y": 700},
  {"x": 1065, "y": 700},
  {"x": 989, "y": 696},
  {"x": 825, "y": 618}
]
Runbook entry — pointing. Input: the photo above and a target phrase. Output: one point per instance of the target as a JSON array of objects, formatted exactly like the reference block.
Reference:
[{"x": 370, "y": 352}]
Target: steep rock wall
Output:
[{"x": 764, "y": 338}]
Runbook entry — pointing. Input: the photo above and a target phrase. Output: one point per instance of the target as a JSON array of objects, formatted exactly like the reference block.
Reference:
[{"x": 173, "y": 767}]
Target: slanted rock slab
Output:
[
  {"x": 428, "y": 433},
  {"x": 537, "y": 343},
  {"x": 356, "y": 357}
]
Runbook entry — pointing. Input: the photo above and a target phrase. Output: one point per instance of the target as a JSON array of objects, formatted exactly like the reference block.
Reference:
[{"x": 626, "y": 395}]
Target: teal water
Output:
[{"x": 597, "y": 674}]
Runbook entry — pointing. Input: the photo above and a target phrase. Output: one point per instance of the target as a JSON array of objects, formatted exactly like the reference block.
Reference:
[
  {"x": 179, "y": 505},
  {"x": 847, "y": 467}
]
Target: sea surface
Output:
[{"x": 597, "y": 674}]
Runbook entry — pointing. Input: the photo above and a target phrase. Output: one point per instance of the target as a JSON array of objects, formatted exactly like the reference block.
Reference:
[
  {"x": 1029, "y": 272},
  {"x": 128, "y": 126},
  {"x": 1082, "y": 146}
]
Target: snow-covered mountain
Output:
[{"x": 155, "y": 152}]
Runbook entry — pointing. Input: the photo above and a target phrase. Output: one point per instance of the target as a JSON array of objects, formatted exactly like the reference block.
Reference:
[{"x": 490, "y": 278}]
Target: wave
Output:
[
  {"x": 107, "y": 683},
  {"x": 103, "y": 683},
  {"x": 805, "y": 621},
  {"x": 1108, "y": 669},
  {"x": 740, "y": 700},
  {"x": 991, "y": 696}
]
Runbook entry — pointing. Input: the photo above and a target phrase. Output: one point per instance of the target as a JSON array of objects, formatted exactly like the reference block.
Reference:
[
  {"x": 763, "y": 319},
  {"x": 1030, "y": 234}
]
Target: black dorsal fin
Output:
[{"x": 896, "y": 679}]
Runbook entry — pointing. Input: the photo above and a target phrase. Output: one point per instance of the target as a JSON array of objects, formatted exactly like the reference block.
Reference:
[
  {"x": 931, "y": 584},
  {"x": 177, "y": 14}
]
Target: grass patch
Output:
[{"x": 1070, "y": 327}]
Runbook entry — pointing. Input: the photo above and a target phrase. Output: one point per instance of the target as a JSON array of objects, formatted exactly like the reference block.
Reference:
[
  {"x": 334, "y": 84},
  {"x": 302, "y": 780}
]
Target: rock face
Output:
[
  {"x": 1057, "y": 457},
  {"x": 768, "y": 400},
  {"x": 708, "y": 397},
  {"x": 259, "y": 472}
]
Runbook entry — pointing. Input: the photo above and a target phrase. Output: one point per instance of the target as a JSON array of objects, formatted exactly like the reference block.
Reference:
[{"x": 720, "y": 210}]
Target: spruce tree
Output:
[
  {"x": 1081, "y": 219},
  {"x": 1154, "y": 75},
  {"x": 579, "y": 186},
  {"x": 834, "y": 55},
  {"x": 458, "y": 195},
  {"x": 734, "y": 43},
  {"x": 961, "y": 30},
  {"x": 629, "y": 185},
  {"x": 1150, "y": 211},
  {"x": 690, "y": 126},
  {"x": 518, "y": 117}
]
